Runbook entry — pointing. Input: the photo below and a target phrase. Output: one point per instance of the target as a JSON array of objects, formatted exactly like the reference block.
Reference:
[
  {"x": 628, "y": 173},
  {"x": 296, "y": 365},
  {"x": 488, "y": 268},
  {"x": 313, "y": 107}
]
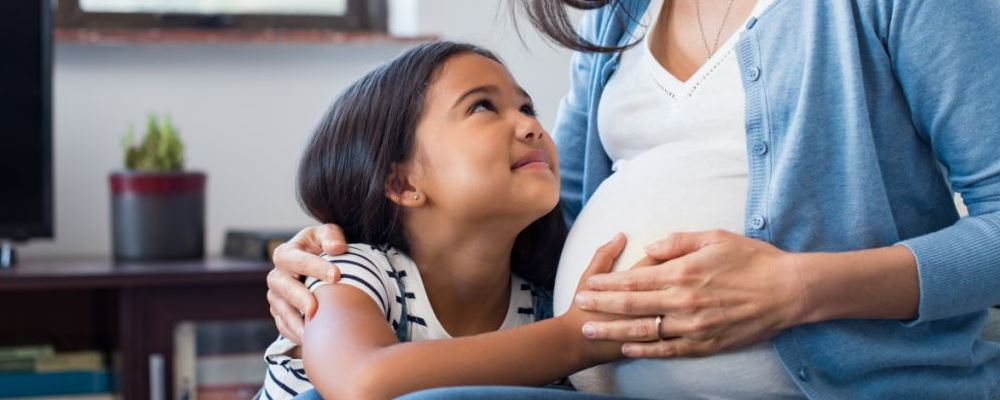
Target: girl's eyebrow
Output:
[
  {"x": 525, "y": 94},
  {"x": 489, "y": 89}
]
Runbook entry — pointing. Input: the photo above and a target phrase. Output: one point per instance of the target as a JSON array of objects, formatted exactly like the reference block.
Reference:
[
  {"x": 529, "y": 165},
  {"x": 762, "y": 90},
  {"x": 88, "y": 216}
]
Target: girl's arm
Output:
[{"x": 350, "y": 352}]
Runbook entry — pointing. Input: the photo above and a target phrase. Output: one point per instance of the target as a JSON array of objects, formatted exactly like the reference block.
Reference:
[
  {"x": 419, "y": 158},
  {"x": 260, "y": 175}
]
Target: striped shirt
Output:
[{"x": 389, "y": 278}]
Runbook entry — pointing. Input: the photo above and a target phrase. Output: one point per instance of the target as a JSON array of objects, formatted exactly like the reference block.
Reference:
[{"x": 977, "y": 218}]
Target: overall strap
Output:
[
  {"x": 403, "y": 327},
  {"x": 541, "y": 300}
]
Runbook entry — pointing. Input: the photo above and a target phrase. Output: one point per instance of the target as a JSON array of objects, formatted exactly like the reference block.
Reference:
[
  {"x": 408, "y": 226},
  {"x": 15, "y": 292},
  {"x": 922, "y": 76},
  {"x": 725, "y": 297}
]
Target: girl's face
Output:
[{"x": 480, "y": 154}]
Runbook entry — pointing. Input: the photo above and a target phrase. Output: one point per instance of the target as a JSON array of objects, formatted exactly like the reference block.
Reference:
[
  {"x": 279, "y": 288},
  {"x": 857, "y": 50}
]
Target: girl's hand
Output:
[
  {"x": 715, "y": 290},
  {"x": 595, "y": 352},
  {"x": 288, "y": 296}
]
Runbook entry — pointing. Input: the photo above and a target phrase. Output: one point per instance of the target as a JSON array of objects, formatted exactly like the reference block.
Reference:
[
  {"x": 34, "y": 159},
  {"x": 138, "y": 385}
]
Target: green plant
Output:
[{"x": 161, "y": 149}]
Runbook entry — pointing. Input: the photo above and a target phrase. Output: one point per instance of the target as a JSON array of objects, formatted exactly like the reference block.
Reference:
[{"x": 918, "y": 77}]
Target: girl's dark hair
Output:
[
  {"x": 551, "y": 19},
  {"x": 372, "y": 125}
]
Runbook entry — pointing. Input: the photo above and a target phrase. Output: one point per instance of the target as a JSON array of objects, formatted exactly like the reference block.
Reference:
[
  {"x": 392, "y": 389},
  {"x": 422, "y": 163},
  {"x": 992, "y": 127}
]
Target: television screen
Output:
[{"x": 25, "y": 119}]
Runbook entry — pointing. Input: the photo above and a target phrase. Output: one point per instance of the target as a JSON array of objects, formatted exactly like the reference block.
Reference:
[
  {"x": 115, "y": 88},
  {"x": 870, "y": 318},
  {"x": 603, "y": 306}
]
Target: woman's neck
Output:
[{"x": 466, "y": 271}]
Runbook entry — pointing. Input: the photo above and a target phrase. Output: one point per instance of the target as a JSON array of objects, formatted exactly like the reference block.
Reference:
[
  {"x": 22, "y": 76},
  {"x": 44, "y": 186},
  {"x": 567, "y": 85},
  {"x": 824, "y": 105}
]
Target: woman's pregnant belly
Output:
[{"x": 669, "y": 189}]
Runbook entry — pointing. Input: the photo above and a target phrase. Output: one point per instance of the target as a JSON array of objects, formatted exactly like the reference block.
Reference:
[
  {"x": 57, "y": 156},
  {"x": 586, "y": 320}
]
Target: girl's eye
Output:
[
  {"x": 482, "y": 105},
  {"x": 529, "y": 109}
]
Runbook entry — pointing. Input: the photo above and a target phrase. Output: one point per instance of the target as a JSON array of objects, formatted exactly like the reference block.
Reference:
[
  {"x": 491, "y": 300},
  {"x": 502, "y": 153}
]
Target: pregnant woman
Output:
[{"x": 792, "y": 164}]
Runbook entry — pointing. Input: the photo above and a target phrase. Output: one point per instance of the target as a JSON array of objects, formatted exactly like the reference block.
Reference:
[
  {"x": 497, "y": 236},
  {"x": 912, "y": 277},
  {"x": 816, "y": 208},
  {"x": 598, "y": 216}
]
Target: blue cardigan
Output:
[{"x": 862, "y": 118}]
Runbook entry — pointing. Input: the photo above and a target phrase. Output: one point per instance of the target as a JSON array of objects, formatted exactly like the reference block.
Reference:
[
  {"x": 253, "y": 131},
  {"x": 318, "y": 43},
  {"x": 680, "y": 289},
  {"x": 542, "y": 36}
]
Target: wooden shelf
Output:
[
  {"x": 234, "y": 36},
  {"x": 96, "y": 273},
  {"x": 129, "y": 309}
]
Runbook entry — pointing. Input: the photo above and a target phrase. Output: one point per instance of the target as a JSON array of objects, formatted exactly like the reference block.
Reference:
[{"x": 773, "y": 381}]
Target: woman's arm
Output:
[
  {"x": 944, "y": 56},
  {"x": 350, "y": 352},
  {"x": 570, "y": 129},
  {"x": 878, "y": 283}
]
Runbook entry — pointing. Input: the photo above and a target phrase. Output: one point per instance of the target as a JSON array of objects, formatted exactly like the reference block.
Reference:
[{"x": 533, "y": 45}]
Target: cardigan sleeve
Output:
[
  {"x": 570, "y": 130},
  {"x": 945, "y": 56}
]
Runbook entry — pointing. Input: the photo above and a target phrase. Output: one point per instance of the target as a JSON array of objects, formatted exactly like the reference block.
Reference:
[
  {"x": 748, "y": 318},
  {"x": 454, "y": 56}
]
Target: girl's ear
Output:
[{"x": 400, "y": 189}]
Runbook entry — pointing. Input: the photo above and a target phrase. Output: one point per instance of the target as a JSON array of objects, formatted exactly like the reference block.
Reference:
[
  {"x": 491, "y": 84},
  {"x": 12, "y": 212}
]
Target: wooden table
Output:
[{"x": 126, "y": 308}]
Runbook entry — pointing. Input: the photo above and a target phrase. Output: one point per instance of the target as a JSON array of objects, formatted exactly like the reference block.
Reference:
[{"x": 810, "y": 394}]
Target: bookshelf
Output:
[{"x": 131, "y": 311}]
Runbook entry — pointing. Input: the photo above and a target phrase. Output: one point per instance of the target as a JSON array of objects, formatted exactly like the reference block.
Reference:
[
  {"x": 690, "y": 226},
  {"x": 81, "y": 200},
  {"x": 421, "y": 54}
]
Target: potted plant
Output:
[{"x": 157, "y": 209}]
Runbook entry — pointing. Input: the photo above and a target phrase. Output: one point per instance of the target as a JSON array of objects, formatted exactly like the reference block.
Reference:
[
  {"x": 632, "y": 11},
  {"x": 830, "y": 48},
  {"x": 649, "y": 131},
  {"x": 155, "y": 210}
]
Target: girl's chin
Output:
[
  {"x": 533, "y": 205},
  {"x": 545, "y": 204}
]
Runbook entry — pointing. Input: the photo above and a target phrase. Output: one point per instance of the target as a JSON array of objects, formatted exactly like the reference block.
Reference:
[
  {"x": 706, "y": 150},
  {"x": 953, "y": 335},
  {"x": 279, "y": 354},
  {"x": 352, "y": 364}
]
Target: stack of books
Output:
[
  {"x": 39, "y": 372},
  {"x": 220, "y": 360}
]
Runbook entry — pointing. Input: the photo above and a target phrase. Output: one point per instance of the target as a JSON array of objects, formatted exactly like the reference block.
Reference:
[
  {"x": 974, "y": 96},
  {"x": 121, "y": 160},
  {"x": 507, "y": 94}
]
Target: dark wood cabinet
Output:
[{"x": 127, "y": 310}]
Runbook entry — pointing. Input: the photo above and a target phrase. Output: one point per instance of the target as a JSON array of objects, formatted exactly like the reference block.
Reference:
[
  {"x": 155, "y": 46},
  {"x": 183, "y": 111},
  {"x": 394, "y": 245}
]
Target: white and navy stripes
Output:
[{"x": 380, "y": 275}]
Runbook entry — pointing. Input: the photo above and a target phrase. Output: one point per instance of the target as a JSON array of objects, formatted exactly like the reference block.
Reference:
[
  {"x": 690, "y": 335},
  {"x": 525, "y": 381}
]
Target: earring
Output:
[{"x": 416, "y": 196}]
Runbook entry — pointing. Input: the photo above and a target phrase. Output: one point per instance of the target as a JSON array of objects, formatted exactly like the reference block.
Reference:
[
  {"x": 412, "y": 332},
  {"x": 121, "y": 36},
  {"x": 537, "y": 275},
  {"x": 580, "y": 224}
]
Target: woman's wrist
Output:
[
  {"x": 878, "y": 283},
  {"x": 800, "y": 303}
]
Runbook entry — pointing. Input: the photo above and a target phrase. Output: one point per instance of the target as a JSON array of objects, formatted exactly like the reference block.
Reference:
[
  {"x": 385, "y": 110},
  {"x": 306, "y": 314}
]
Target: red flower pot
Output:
[{"x": 157, "y": 216}]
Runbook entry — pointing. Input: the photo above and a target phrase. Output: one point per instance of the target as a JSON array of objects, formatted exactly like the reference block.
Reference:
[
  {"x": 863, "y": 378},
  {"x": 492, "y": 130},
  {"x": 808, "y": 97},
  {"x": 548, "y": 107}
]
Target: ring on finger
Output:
[{"x": 659, "y": 326}]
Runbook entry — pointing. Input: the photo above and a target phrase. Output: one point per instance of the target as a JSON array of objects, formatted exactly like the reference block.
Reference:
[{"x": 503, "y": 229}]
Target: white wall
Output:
[{"x": 245, "y": 112}]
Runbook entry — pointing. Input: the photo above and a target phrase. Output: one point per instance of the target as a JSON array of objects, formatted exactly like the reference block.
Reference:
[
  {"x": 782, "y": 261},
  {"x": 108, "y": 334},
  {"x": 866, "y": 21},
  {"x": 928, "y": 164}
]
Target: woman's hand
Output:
[
  {"x": 596, "y": 352},
  {"x": 715, "y": 290},
  {"x": 288, "y": 296}
]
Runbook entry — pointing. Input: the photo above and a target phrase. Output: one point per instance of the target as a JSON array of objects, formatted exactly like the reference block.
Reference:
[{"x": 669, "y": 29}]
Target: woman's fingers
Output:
[
  {"x": 624, "y": 330},
  {"x": 654, "y": 302},
  {"x": 295, "y": 259},
  {"x": 677, "y": 347},
  {"x": 331, "y": 239},
  {"x": 287, "y": 288},
  {"x": 288, "y": 320},
  {"x": 326, "y": 238},
  {"x": 636, "y": 279},
  {"x": 680, "y": 243},
  {"x": 702, "y": 326}
]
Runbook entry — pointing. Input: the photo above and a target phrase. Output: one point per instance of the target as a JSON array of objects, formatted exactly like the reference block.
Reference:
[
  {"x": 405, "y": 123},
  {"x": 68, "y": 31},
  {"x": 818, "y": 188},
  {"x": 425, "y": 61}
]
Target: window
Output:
[
  {"x": 286, "y": 7},
  {"x": 342, "y": 15}
]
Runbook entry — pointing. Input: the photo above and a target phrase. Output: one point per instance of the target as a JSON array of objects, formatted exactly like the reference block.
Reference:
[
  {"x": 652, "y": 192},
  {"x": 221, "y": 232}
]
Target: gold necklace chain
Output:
[{"x": 715, "y": 46}]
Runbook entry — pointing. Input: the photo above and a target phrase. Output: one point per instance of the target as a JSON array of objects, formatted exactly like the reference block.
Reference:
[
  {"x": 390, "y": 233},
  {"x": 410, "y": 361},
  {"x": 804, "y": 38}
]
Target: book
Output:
[
  {"x": 26, "y": 352},
  {"x": 185, "y": 358},
  {"x": 17, "y": 365},
  {"x": 54, "y": 383},
  {"x": 231, "y": 370},
  {"x": 96, "y": 396},
  {"x": 42, "y": 359},
  {"x": 71, "y": 361},
  {"x": 220, "y": 359},
  {"x": 228, "y": 392},
  {"x": 253, "y": 244}
]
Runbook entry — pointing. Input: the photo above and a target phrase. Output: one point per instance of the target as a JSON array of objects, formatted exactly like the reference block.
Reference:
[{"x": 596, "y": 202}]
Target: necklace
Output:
[{"x": 715, "y": 46}]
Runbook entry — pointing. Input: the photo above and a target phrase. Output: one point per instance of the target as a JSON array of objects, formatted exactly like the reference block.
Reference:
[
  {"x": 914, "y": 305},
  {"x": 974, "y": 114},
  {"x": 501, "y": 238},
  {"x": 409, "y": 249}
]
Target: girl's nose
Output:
[{"x": 529, "y": 129}]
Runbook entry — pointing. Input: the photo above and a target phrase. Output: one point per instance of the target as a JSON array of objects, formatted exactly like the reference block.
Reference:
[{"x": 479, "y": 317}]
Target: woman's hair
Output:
[
  {"x": 372, "y": 125},
  {"x": 550, "y": 18}
]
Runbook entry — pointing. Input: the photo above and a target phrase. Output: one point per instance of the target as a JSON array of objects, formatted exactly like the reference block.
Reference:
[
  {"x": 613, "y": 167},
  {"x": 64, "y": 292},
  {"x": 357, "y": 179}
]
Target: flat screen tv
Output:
[{"x": 25, "y": 120}]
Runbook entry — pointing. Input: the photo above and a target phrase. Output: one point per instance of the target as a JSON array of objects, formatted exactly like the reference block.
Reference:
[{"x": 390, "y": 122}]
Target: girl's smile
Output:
[{"x": 535, "y": 160}]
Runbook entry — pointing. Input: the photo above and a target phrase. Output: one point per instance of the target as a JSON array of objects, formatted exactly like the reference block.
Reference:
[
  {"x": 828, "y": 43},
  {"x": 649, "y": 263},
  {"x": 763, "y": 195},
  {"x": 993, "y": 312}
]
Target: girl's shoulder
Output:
[
  {"x": 372, "y": 269},
  {"x": 378, "y": 260}
]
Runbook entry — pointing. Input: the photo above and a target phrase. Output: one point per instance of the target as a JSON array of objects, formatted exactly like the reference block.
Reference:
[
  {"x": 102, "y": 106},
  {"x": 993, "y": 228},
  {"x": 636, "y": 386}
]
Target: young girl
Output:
[{"x": 437, "y": 163}]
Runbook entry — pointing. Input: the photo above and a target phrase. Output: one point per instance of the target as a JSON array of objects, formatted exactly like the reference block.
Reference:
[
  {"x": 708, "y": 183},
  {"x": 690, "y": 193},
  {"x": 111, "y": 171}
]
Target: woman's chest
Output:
[{"x": 643, "y": 107}]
